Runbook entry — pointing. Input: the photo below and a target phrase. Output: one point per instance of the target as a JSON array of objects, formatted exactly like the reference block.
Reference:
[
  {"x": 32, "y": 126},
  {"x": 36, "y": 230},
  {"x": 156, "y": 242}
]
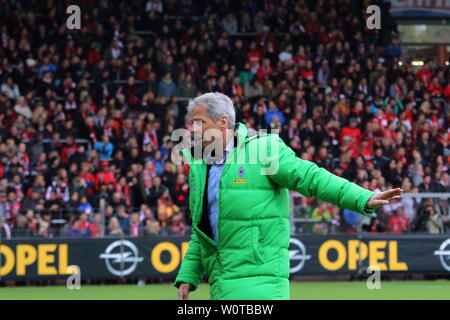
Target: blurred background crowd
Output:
[{"x": 86, "y": 115}]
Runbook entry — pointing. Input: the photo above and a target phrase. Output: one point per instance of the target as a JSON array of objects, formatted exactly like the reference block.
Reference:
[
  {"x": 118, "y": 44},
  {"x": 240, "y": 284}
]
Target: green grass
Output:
[{"x": 390, "y": 290}]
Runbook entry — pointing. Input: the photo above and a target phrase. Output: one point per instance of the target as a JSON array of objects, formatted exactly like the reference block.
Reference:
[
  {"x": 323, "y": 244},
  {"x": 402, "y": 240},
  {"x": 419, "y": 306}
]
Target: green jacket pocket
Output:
[{"x": 256, "y": 245}]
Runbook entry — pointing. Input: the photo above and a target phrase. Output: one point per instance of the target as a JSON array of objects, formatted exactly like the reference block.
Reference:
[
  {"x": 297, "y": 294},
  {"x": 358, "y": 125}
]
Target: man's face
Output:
[
  {"x": 21, "y": 222},
  {"x": 202, "y": 123}
]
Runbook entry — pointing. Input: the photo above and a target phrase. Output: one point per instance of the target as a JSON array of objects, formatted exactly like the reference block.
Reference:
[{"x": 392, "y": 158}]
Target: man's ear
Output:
[{"x": 223, "y": 122}]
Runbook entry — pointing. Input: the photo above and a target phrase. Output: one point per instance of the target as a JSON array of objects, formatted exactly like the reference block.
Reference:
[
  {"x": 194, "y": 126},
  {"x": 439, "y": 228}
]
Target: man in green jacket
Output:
[{"x": 240, "y": 204}]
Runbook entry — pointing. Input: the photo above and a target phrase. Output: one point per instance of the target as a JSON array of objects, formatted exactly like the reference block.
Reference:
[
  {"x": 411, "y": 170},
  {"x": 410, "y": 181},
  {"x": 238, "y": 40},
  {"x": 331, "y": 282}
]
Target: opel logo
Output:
[
  {"x": 444, "y": 254},
  {"x": 121, "y": 257},
  {"x": 297, "y": 255}
]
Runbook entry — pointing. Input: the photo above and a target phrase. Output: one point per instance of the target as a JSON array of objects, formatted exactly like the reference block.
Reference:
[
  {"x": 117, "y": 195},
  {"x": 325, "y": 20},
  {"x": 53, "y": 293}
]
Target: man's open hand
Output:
[
  {"x": 183, "y": 291},
  {"x": 383, "y": 198}
]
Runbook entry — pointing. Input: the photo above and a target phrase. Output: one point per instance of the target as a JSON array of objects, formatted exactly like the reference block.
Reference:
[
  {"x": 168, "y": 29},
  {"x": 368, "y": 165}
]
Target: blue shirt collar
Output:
[{"x": 228, "y": 148}]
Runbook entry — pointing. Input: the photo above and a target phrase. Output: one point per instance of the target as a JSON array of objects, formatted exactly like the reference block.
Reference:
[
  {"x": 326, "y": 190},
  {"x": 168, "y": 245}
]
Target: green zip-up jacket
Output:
[{"x": 251, "y": 259}]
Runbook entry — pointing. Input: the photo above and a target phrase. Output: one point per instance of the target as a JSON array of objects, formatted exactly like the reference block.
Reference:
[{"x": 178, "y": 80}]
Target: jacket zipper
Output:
[
  {"x": 197, "y": 204},
  {"x": 211, "y": 241}
]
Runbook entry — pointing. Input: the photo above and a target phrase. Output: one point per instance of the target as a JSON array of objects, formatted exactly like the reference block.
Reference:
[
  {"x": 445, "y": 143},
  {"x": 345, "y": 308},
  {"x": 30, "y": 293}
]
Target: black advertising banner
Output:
[
  {"x": 160, "y": 257},
  {"x": 102, "y": 258},
  {"x": 353, "y": 254}
]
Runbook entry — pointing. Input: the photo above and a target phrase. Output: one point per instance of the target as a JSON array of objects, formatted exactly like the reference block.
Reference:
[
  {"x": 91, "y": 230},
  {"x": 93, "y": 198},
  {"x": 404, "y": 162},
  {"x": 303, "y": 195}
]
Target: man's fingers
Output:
[
  {"x": 388, "y": 194},
  {"x": 379, "y": 203},
  {"x": 393, "y": 192},
  {"x": 183, "y": 292},
  {"x": 383, "y": 202}
]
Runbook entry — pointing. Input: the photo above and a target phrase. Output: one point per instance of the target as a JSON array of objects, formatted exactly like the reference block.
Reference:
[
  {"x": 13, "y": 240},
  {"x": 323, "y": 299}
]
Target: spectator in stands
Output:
[
  {"x": 106, "y": 176},
  {"x": 322, "y": 213},
  {"x": 253, "y": 89},
  {"x": 186, "y": 87},
  {"x": 167, "y": 86},
  {"x": 166, "y": 207},
  {"x": 375, "y": 226},
  {"x": 22, "y": 230},
  {"x": 123, "y": 88},
  {"x": 350, "y": 221},
  {"x": 145, "y": 214},
  {"x": 114, "y": 228},
  {"x": 272, "y": 112},
  {"x": 123, "y": 216},
  {"x": 155, "y": 192},
  {"x": 105, "y": 149},
  {"x": 230, "y": 24},
  {"x": 82, "y": 227},
  {"x": 434, "y": 221},
  {"x": 85, "y": 206},
  {"x": 134, "y": 228},
  {"x": 96, "y": 223},
  {"x": 181, "y": 191},
  {"x": 152, "y": 227},
  {"x": 22, "y": 108},
  {"x": 44, "y": 224},
  {"x": 178, "y": 227},
  {"x": 425, "y": 73},
  {"x": 428, "y": 186},
  {"x": 5, "y": 231},
  {"x": 393, "y": 50},
  {"x": 408, "y": 204},
  {"x": 352, "y": 131},
  {"x": 32, "y": 221},
  {"x": 10, "y": 89},
  {"x": 398, "y": 223}
]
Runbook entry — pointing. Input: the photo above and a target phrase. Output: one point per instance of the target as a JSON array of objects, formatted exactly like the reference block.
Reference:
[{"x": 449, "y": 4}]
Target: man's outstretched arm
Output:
[{"x": 310, "y": 180}]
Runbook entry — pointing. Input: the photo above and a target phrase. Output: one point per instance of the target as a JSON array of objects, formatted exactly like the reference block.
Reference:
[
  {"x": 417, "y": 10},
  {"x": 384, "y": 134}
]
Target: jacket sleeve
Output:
[
  {"x": 309, "y": 179},
  {"x": 191, "y": 270}
]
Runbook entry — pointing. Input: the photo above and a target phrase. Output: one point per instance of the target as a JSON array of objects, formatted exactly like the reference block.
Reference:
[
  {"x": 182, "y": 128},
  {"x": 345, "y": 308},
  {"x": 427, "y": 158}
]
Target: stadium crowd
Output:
[{"x": 86, "y": 115}]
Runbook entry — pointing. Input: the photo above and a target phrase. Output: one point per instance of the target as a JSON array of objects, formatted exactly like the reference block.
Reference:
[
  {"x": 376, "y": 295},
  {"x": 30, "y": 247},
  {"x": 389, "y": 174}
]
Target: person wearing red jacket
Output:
[
  {"x": 353, "y": 131},
  {"x": 254, "y": 55},
  {"x": 307, "y": 73},
  {"x": 446, "y": 92},
  {"x": 435, "y": 88},
  {"x": 398, "y": 223},
  {"x": 105, "y": 176},
  {"x": 264, "y": 71},
  {"x": 425, "y": 73},
  {"x": 86, "y": 227}
]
